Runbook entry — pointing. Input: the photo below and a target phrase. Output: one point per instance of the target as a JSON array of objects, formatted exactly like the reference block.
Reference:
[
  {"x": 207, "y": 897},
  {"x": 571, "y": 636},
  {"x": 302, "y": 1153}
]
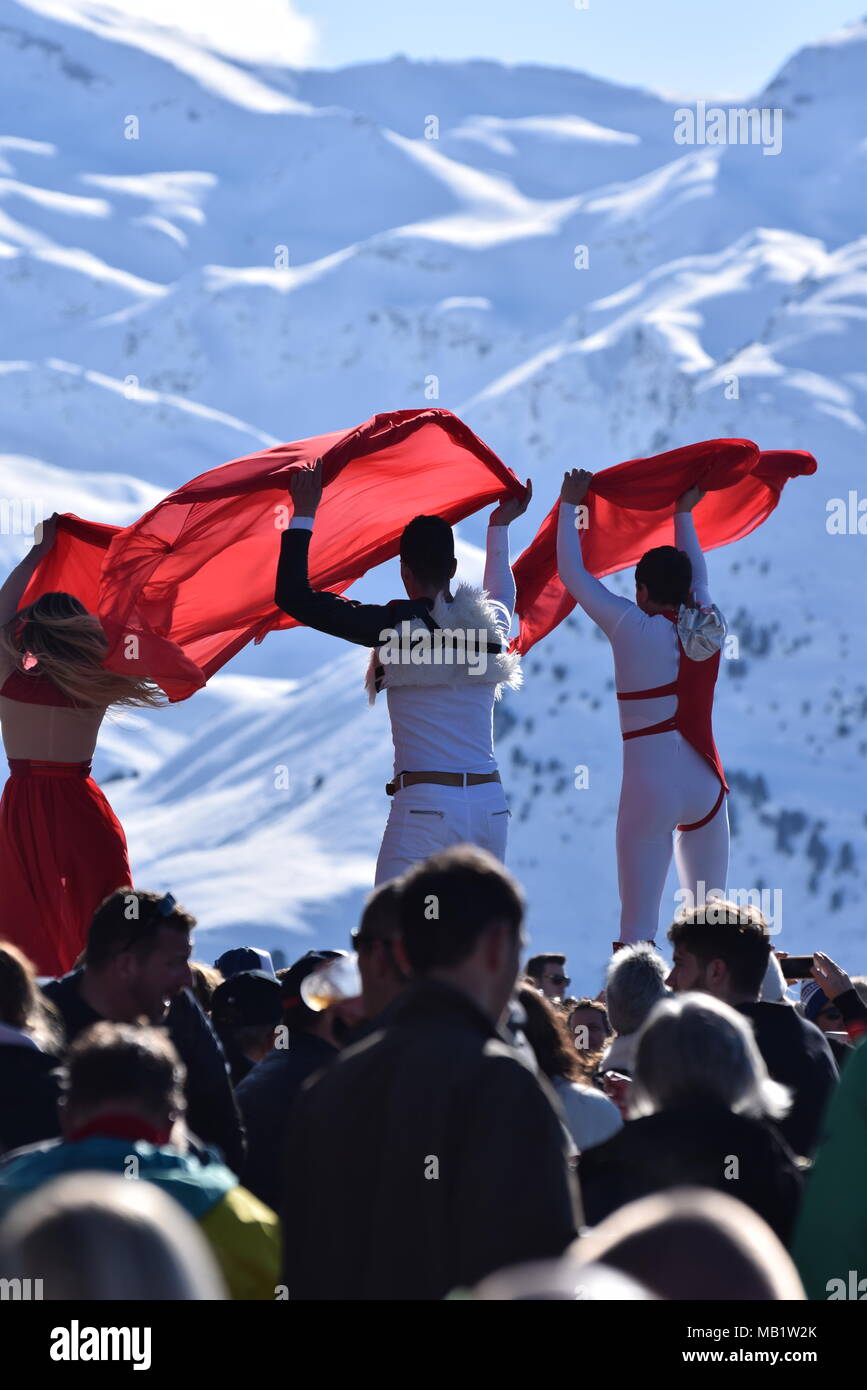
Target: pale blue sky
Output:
[
  {"x": 681, "y": 47},
  {"x": 687, "y": 46}
]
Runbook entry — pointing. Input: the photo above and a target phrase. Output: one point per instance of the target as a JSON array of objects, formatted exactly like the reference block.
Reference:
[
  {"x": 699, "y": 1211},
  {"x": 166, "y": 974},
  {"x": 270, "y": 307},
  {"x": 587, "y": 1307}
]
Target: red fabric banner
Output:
[
  {"x": 193, "y": 580},
  {"x": 630, "y": 509},
  {"x": 183, "y": 589}
]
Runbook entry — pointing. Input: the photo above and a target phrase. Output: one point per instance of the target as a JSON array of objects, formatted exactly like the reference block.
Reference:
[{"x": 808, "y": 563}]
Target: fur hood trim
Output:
[{"x": 455, "y": 654}]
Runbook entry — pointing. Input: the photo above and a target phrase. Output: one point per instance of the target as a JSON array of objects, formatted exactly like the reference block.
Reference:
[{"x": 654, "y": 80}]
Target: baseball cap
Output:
[
  {"x": 813, "y": 999},
  {"x": 247, "y": 999},
  {"x": 244, "y": 959}
]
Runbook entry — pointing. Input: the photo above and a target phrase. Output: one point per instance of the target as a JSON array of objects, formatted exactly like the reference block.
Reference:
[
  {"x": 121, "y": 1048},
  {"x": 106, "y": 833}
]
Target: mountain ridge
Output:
[{"x": 239, "y": 275}]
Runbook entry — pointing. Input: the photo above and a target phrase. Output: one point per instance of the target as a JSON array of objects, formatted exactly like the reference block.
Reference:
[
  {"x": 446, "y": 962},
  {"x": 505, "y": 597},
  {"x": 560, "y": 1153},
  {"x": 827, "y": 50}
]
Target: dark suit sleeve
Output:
[
  {"x": 262, "y": 1113},
  {"x": 812, "y": 1074},
  {"x": 212, "y": 1112},
  {"x": 363, "y": 623},
  {"x": 515, "y": 1198}
]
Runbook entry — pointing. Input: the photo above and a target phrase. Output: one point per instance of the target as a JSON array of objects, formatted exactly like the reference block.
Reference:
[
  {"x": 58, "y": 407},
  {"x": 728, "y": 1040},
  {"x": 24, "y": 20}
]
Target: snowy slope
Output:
[{"x": 278, "y": 252}]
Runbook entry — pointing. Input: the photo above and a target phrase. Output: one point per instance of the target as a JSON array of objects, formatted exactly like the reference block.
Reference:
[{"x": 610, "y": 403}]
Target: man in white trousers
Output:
[
  {"x": 442, "y": 660},
  {"x": 666, "y": 647}
]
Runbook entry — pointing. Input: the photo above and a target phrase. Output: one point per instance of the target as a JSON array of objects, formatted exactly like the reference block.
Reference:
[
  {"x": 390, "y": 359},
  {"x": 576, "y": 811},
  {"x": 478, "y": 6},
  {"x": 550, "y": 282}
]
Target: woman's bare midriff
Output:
[{"x": 49, "y": 733}]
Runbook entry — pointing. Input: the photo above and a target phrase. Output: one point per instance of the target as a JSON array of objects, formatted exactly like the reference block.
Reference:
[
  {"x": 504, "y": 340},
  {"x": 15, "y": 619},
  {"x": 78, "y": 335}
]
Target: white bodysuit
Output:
[{"x": 666, "y": 782}]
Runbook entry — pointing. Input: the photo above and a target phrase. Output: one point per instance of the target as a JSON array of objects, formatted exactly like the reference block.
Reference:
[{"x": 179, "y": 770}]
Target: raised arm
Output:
[
  {"x": 499, "y": 581},
  {"x": 362, "y": 623},
  {"x": 685, "y": 538},
  {"x": 12, "y": 591},
  {"x": 605, "y": 609}
]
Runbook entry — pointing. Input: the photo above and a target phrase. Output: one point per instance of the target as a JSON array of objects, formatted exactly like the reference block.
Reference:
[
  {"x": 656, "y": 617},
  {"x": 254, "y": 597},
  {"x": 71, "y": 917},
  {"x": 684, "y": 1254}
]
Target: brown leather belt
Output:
[{"x": 441, "y": 779}]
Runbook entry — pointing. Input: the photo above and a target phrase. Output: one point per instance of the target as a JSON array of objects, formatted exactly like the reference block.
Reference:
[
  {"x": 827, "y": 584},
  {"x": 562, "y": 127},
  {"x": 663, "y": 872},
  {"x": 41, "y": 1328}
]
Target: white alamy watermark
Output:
[
  {"x": 846, "y": 516},
  {"x": 21, "y": 1290},
  {"x": 852, "y": 1287},
  {"x": 730, "y": 125},
  {"x": 77, "y": 1343},
  {"x": 445, "y": 646},
  {"x": 721, "y": 907},
  {"x": 21, "y": 516}
]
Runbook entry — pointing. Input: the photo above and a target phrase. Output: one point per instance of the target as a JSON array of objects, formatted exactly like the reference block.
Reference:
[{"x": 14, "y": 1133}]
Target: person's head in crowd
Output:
[
  {"x": 427, "y": 556},
  {"x": 330, "y": 1025},
  {"x": 23, "y": 1007},
  {"x": 548, "y": 973},
  {"x": 692, "y": 1243},
  {"x": 137, "y": 955},
  {"x": 376, "y": 942},
  {"x": 634, "y": 984},
  {"x": 547, "y": 1032},
  {"x": 819, "y": 1009},
  {"x": 245, "y": 1011},
  {"x": 694, "y": 1049},
  {"x": 559, "y": 1281},
  {"x": 589, "y": 1025},
  {"x": 663, "y": 579},
  {"x": 117, "y": 1071},
  {"x": 205, "y": 979},
  {"x": 721, "y": 948},
  {"x": 94, "y": 1236},
  {"x": 242, "y": 959},
  {"x": 461, "y": 918}
]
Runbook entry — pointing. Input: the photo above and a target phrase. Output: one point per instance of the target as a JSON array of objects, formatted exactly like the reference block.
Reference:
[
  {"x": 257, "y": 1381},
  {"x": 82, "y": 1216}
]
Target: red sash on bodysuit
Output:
[{"x": 693, "y": 718}]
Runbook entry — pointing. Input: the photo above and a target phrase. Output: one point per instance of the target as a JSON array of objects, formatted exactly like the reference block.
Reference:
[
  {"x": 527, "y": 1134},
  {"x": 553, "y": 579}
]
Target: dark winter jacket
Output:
[
  {"x": 699, "y": 1145},
  {"x": 266, "y": 1096},
  {"x": 425, "y": 1158},
  {"x": 797, "y": 1054},
  {"x": 29, "y": 1090},
  {"x": 212, "y": 1114}
]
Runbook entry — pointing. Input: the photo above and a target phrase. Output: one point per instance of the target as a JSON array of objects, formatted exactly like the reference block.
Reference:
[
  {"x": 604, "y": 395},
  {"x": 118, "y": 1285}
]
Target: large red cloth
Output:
[
  {"x": 193, "y": 580},
  {"x": 631, "y": 510},
  {"x": 188, "y": 585},
  {"x": 62, "y": 851}
]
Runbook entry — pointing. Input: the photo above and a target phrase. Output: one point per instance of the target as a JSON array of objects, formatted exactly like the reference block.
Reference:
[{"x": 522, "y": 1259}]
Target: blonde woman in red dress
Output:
[{"x": 62, "y": 849}]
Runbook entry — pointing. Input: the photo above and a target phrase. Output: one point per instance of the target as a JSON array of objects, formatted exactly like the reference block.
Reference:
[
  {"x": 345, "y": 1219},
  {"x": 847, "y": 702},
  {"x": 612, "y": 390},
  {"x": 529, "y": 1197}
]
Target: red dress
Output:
[{"x": 62, "y": 849}]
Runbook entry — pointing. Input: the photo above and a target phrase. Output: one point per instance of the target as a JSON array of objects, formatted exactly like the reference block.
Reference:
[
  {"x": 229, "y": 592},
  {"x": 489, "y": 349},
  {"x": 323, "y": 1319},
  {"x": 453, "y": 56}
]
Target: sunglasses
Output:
[{"x": 560, "y": 979}]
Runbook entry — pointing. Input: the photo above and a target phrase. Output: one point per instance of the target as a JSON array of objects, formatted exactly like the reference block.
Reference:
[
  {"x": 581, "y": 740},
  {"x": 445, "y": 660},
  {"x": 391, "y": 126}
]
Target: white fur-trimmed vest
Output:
[{"x": 464, "y": 643}]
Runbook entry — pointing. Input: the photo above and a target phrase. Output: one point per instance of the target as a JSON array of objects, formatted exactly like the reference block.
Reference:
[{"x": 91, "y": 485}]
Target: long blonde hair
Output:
[{"x": 57, "y": 637}]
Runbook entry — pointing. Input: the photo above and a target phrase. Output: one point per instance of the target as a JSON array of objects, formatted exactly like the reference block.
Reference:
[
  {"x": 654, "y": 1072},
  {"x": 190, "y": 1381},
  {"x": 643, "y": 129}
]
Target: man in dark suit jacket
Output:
[{"x": 429, "y": 1155}]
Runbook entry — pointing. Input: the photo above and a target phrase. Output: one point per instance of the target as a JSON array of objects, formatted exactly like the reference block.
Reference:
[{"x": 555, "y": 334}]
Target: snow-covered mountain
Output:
[{"x": 200, "y": 258}]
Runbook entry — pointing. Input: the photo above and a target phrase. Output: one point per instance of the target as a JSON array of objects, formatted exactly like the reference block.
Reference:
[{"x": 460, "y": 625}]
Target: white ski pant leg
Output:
[
  {"x": 666, "y": 783},
  {"x": 426, "y": 818}
]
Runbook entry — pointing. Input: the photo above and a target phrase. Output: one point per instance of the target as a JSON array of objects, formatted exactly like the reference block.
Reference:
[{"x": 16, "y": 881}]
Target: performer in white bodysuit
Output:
[
  {"x": 666, "y": 649},
  {"x": 446, "y": 788}
]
